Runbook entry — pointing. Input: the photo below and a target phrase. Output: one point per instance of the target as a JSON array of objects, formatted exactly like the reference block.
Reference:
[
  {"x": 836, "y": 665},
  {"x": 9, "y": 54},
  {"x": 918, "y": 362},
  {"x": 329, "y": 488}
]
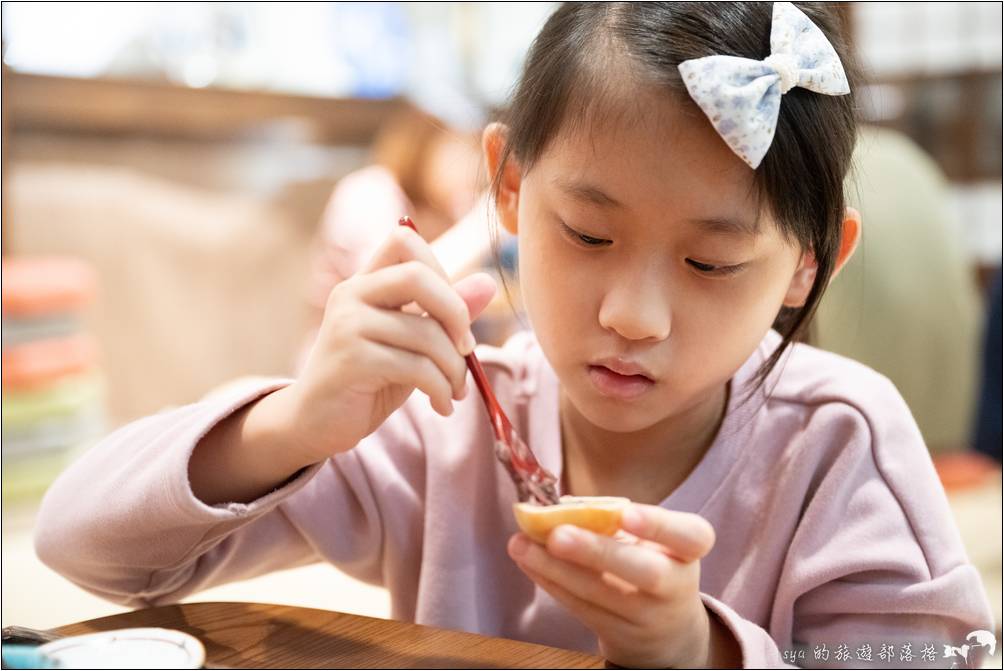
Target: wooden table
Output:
[{"x": 268, "y": 636}]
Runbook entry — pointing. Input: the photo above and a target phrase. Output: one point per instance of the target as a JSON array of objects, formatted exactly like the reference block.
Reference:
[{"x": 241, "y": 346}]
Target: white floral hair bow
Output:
[{"x": 742, "y": 96}]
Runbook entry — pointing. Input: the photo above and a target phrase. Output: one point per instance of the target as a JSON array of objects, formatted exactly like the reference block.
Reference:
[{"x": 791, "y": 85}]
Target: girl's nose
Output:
[{"x": 637, "y": 309}]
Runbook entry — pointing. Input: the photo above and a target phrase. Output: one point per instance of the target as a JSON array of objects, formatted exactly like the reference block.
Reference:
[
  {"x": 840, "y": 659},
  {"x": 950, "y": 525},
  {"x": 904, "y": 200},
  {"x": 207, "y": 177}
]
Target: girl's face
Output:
[{"x": 646, "y": 272}]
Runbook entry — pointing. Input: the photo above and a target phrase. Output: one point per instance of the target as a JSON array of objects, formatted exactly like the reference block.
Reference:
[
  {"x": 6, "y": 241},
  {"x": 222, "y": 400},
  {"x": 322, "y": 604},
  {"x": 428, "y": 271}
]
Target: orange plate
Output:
[
  {"x": 46, "y": 284},
  {"x": 35, "y": 364}
]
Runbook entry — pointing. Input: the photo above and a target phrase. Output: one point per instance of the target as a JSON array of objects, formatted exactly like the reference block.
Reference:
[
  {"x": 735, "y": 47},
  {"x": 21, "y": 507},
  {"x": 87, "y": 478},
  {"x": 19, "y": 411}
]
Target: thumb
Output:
[{"x": 477, "y": 290}]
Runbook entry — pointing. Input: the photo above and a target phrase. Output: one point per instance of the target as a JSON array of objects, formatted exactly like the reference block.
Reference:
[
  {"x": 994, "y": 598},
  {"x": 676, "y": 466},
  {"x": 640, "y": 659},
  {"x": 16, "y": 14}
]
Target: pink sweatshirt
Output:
[{"x": 832, "y": 527}]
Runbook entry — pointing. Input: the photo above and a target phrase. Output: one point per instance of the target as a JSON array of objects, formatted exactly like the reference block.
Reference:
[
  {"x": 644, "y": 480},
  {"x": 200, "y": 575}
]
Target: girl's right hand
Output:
[{"x": 395, "y": 326}]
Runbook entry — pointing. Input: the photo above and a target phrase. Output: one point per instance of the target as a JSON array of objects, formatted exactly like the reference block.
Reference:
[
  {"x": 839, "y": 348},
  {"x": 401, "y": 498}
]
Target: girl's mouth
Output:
[{"x": 615, "y": 385}]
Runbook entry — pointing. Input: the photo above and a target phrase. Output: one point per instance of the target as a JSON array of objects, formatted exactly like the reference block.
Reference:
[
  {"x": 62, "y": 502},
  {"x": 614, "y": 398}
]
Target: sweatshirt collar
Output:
[{"x": 746, "y": 399}]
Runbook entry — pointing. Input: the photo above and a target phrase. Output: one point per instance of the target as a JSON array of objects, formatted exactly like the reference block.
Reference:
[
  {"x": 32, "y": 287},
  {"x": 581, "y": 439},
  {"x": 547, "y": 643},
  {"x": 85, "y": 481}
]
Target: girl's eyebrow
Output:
[
  {"x": 588, "y": 193},
  {"x": 727, "y": 226}
]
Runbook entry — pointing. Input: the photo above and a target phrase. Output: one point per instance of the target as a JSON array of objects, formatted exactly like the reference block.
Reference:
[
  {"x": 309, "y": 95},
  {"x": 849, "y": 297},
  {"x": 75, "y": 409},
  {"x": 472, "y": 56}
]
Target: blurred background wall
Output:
[{"x": 185, "y": 154}]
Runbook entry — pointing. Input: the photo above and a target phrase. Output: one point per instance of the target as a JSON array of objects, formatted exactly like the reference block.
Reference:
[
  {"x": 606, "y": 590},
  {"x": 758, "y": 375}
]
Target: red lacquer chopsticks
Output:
[{"x": 533, "y": 482}]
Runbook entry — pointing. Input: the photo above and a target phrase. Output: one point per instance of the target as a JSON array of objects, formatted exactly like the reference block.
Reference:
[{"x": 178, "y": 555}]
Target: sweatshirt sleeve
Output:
[
  {"x": 876, "y": 574},
  {"x": 123, "y": 523}
]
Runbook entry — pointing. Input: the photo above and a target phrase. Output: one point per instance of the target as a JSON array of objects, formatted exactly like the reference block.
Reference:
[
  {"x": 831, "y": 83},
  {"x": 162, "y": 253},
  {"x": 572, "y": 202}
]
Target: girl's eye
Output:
[
  {"x": 709, "y": 269},
  {"x": 583, "y": 239}
]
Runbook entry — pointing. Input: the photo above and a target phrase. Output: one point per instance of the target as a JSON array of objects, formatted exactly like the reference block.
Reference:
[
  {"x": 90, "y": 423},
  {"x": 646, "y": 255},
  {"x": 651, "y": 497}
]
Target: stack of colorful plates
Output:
[{"x": 52, "y": 389}]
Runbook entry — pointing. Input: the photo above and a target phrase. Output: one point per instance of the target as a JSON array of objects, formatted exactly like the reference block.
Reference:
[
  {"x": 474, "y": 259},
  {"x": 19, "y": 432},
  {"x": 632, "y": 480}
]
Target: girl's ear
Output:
[
  {"x": 849, "y": 238},
  {"x": 802, "y": 281},
  {"x": 507, "y": 200},
  {"x": 805, "y": 274}
]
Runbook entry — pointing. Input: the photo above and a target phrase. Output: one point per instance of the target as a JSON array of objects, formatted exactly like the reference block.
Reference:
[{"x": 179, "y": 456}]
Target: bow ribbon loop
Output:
[{"x": 742, "y": 96}]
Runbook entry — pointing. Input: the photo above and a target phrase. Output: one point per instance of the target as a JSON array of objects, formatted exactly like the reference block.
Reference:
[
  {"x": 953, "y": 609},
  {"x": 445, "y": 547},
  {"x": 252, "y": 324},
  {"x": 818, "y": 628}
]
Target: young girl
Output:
[{"x": 785, "y": 506}]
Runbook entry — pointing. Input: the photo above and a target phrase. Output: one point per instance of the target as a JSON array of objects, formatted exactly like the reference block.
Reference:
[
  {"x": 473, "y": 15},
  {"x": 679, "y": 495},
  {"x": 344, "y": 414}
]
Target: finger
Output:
[
  {"x": 477, "y": 290},
  {"x": 686, "y": 536},
  {"x": 401, "y": 246},
  {"x": 396, "y": 286},
  {"x": 588, "y": 586},
  {"x": 419, "y": 335},
  {"x": 416, "y": 372},
  {"x": 643, "y": 567},
  {"x": 597, "y": 618}
]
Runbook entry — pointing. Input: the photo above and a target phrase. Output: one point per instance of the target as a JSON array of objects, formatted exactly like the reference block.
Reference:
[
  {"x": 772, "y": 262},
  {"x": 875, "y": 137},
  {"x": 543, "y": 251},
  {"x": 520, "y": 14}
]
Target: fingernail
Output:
[
  {"x": 518, "y": 547},
  {"x": 631, "y": 518},
  {"x": 469, "y": 344},
  {"x": 564, "y": 538}
]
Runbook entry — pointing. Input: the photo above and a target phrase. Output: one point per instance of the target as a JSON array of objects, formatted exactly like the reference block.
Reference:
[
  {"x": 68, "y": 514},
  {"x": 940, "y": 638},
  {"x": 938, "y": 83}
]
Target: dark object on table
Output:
[
  {"x": 18, "y": 644},
  {"x": 987, "y": 435},
  {"x": 15, "y": 635}
]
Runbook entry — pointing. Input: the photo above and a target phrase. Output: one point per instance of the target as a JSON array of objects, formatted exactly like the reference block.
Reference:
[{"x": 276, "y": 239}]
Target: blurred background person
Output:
[
  {"x": 432, "y": 172},
  {"x": 907, "y": 304},
  {"x": 420, "y": 167}
]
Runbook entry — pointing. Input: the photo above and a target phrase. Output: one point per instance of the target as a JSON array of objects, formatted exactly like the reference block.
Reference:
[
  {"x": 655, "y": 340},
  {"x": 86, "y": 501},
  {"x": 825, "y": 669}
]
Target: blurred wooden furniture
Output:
[
  {"x": 106, "y": 106},
  {"x": 955, "y": 117},
  {"x": 252, "y": 635},
  {"x": 196, "y": 207},
  {"x": 80, "y": 118}
]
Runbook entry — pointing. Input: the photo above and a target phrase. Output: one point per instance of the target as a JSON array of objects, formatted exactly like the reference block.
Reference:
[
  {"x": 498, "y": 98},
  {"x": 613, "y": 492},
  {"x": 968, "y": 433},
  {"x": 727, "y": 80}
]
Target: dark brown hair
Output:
[
  {"x": 801, "y": 179},
  {"x": 403, "y": 145}
]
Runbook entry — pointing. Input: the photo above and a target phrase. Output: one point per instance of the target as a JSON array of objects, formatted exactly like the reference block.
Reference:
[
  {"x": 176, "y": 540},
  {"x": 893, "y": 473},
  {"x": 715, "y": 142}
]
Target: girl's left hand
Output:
[{"x": 638, "y": 592}]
